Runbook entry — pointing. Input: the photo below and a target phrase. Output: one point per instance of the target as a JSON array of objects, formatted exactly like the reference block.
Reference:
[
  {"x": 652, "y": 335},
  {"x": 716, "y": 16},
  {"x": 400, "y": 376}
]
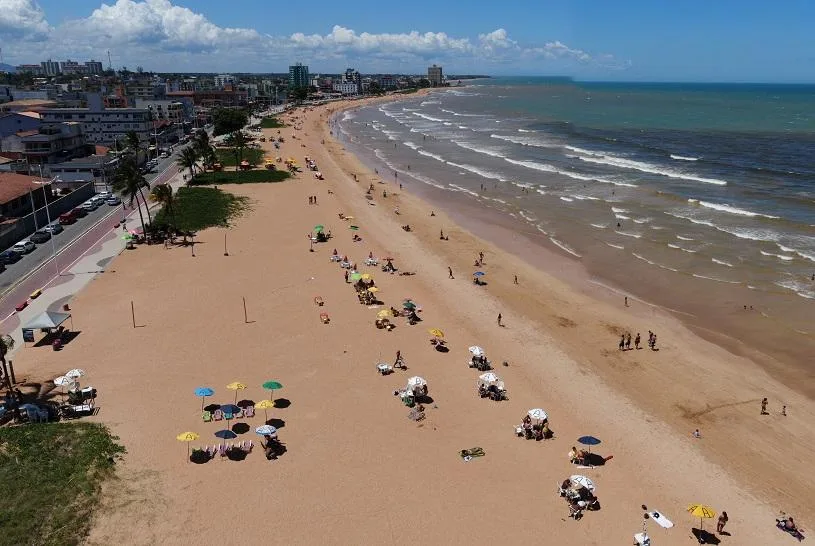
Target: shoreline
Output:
[{"x": 759, "y": 335}]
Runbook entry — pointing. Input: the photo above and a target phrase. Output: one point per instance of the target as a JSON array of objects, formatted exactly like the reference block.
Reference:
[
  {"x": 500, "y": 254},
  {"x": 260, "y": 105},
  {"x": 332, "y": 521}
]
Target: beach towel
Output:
[{"x": 469, "y": 454}]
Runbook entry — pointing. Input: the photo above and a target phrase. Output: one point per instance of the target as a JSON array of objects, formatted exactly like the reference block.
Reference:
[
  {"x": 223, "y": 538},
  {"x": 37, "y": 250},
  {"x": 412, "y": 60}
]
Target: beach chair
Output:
[
  {"x": 318, "y": 301},
  {"x": 324, "y": 317},
  {"x": 206, "y": 416},
  {"x": 642, "y": 539},
  {"x": 249, "y": 411},
  {"x": 239, "y": 415},
  {"x": 217, "y": 415},
  {"x": 211, "y": 451},
  {"x": 222, "y": 450},
  {"x": 228, "y": 415}
]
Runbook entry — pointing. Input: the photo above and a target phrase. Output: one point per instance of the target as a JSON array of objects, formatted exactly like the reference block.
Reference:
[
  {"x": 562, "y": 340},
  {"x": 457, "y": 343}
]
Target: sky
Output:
[{"x": 627, "y": 40}]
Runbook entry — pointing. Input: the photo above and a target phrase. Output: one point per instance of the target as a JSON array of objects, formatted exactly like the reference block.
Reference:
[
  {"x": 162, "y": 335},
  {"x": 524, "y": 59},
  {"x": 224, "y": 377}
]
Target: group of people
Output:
[
  {"x": 312, "y": 199},
  {"x": 625, "y": 341},
  {"x": 578, "y": 498},
  {"x": 535, "y": 431}
]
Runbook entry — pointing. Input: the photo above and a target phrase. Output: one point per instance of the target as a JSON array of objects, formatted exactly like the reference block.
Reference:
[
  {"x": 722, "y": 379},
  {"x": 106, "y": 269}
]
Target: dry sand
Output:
[{"x": 356, "y": 468}]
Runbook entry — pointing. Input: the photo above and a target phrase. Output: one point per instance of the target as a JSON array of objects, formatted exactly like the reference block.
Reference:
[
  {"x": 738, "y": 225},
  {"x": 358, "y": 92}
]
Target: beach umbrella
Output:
[
  {"x": 63, "y": 381},
  {"x": 318, "y": 228},
  {"x": 538, "y": 413},
  {"x": 702, "y": 512},
  {"x": 407, "y": 304},
  {"x": 588, "y": 441},
  {"x": 582, "y": 481},
  {"x": 489, "y": 378},
  {"x": 225, "y": 435},
  {"x": 435, "y": 332},
  {"x": 414, "y": 382},
  {"x": 476, "y": 350},
  {"x": 355, "y": 276},
  {"x": 203, "y": 392},
  {"x": 236, "y": 386},
  {"x": 373, "y": 289},
  {"x": 265, "y": 405},
  {"x": 384, "y": 313},
  {"x": 187, "y": 437},
  {"x": 75, "y": 373},
  {"x": 479, "y": 274},
  {"x": 263, "y": 430},
  {"x": 272, "y": 386},
  {"x": 353, "y": 228},
  {"x": 367, "y": 276}
]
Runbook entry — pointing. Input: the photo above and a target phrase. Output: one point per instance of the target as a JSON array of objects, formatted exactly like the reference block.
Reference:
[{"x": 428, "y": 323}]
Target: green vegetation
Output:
[
  {"x": 239, "y": 177},
  {"x": 199, "y": 208},
  {"x": 407, "y": 91},
  {"x": 271, "y": 123},
  {"x": 228, "y": 156},
  {"x": 129, "y": 181},
  {"x": 50, "y": 480},
  {"x": 228, "y": 120}
]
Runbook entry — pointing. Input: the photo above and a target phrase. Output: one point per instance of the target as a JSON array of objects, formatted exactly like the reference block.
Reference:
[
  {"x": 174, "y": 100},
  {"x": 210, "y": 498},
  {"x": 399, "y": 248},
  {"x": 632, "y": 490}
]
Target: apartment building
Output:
[{"x": 102, "y": 125}]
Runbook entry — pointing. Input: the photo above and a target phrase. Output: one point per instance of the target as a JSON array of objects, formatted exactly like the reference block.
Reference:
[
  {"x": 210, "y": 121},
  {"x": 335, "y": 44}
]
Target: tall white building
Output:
[
  {"x": 102, "y": 125},
  {"x": 222, "y": 79},
  {"x": 434, "y": 75}
]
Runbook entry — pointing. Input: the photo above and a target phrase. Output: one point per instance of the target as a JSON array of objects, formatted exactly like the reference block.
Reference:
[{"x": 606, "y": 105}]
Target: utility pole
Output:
[{"x": 110, "y": 63}]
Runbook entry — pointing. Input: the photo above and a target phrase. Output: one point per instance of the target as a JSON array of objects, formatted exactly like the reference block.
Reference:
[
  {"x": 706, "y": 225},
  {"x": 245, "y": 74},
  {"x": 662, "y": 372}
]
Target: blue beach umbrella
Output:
[
  {"x": 479, "y": 274},
  {"x": 263, "y": 430},
  {"x": 203, "y": 392},
  {"x": 588, "y": 441},
  {"x": 230, "y": 409},
  {"x": 225, "y": 435}
]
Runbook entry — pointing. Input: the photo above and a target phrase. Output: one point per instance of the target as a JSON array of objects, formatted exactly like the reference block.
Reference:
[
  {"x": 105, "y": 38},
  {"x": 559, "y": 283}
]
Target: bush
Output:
[
  {"x": 239, "y": 177},
  {"x": 271, "y": 123},
  {"x": 226, "y": 156},
  {"x": 201, "y": 208}
]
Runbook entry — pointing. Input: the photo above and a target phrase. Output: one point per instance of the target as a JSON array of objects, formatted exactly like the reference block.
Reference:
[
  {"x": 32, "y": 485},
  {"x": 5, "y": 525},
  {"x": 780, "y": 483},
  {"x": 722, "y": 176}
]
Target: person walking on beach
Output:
[
  {"x": 628, "y": 342},
  {"x": 626, "y": 301},
  {"x": 764, "y": 407},
  {"x": 622, "y": 342},
  {"x": 650, "y": 339},
  {"x": 398, "y": 362},
  {"x": 637, "y": 341},
  {"x": 450, "y": 272},
  {"x": 481, "y": 257},
  {"x": 654, "y": 343},
  {"x": 499, "y": 319},
  {"x": 721, "y": 523},
  {"x": 346, "y": 276},
  {"x": 784, "y": 411},
  {"x": 516, "y": 280}
]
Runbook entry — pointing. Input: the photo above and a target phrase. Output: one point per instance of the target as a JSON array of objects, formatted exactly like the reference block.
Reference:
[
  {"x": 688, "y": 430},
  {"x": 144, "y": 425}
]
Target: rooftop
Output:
[{"x": 13, "y": 185}]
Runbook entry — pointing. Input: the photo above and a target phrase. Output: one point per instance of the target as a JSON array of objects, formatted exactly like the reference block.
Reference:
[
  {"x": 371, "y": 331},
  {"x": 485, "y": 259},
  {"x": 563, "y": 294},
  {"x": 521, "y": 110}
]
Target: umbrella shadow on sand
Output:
[
  {"x": 199, "y": 457},
  {"x": 705, "y": 537},
  {"x": 240, "y": 428},
  {"x": 442, "y": 348},
  {"x": 276, "y": 423},
  {"x": 212, "y": 407},
  {"x": 282, "y": 403}
]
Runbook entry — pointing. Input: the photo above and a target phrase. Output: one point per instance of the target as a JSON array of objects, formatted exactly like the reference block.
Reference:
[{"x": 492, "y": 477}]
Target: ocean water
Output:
[{"x": 706, "y": 184}]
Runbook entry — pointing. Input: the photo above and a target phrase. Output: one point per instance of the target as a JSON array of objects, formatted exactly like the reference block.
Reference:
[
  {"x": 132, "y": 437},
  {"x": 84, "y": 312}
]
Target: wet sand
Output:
[{"x": 356, "y": 468}]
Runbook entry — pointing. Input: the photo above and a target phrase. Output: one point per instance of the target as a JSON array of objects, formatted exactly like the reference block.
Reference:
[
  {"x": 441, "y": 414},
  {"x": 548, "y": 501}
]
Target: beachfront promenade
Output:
[{"x": 356, "y": 467}]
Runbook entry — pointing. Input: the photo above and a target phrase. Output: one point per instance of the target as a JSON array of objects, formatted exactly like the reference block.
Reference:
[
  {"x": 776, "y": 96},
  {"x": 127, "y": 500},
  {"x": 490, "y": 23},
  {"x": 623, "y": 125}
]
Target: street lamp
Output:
[{"x": 48, "y": 217}]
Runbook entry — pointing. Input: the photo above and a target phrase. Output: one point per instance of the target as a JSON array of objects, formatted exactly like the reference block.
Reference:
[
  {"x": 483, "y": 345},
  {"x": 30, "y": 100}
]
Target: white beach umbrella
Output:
[
  {"x": 476, "y": 350},
  {"x": 75, "y": 373},
  {"x": 538, "y": 413},
  {"x": 63, "y": 381},
  {"x": 489, "y": 378},
  {"x": 582, "y": 481},
  {"x": 414, "y": 382}
]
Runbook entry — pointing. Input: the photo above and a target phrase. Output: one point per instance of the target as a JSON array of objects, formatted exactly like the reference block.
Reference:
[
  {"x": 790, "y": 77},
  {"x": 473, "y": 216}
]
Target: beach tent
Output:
[{"x": 49, "y": 319}]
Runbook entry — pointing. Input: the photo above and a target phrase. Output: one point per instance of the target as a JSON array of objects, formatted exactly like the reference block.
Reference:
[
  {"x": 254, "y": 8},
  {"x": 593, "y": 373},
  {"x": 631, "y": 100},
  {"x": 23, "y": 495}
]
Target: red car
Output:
[
  {"x": 67, "y": 218},
  {"x": 22, "y": 306}
]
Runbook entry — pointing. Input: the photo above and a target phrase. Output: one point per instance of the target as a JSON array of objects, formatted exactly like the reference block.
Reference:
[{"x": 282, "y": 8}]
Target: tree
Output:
[
  {"x": 375, "y": 89},
  {"x": 6, "y": 345},
  {"x": 201, "y": 143},
  {"x": 130, "y": 183},
  {"x": 237, "y": 141},
  {"x": 209, "y": 158},
  {"x": 163, "y": 194},
  {"x": 228, "y": 120},
  {"x": 298, "y": 93},
  {"x": 188, "y": 159},
  {"x": 132, "y": 141}
]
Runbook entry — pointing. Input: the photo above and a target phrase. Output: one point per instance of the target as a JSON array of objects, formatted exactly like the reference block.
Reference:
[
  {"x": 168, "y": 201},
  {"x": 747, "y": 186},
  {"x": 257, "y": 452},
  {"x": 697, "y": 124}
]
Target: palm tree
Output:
[
  {"x": 129, "y": 181},
  {"x": 6, "y": 345},
  {"x": 163, "y": 194},
  {"x": 132, "y": 141},
  {"x": 237, "y": 141},
  {"x": 188, "y": 160},
  {"x": 209, "y": 158},
  {"x": 201, "y": 142}
]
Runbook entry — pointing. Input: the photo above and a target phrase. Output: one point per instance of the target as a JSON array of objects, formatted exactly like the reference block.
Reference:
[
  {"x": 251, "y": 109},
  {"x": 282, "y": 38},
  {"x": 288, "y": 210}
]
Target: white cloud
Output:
[
  {"x": 162, "y": 36},
  {"x": 21, "y": 18}
]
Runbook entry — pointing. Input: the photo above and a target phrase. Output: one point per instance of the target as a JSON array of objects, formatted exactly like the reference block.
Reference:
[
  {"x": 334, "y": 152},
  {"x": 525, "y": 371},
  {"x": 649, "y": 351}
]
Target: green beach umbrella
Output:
[
  {"x": 354, "y": 228},
  {"x": 272, "y": 386},
  {"x": 356, "y": 276},
  {"x": 319, "y": 227}
]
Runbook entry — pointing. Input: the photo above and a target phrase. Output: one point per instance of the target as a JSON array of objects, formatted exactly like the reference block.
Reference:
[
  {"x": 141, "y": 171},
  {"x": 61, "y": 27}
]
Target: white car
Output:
[
  {"x": 90, "y": 205},
  {"x": 113, "y": 200},
  {"x": 23, "y": 247},
  {"x": 54, "y": 228},
  {"x": 163, "y": 155}
]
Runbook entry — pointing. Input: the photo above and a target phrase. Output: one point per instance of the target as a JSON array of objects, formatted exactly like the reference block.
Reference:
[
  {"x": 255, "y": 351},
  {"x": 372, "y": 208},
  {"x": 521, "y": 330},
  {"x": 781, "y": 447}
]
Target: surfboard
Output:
[{"x": 660, "y": 519}]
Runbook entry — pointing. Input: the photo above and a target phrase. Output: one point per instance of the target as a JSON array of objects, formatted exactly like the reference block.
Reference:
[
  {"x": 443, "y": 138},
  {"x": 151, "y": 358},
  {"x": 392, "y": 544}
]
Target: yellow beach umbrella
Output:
[
  {"x": 702, "y": 512},
  {"x": 384, "y": 313},
  {"x": 436, "y": 332},
  {"x": 265, "y": 405},
  {"x": 366, "y": 276},
  {"x": 373, "y": 289},
  {"x": 236, "y": 386},
  {"x": 187, "y": 437}
]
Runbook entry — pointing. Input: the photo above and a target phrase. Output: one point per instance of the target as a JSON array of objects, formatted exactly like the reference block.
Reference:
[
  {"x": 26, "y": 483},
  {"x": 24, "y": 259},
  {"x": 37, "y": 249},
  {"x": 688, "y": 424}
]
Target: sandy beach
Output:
[{"x": 356, "y": 468}]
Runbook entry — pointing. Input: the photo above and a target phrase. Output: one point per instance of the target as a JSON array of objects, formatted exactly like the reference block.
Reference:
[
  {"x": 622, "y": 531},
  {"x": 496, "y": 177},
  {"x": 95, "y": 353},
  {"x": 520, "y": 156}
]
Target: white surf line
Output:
[{"x": 654, "y": 305}]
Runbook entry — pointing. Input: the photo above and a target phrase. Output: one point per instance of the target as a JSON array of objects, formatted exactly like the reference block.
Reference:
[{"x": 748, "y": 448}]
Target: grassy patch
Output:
[
  {"x": 50, "y": 479},
  {"x": 271, "y": 123},
  {"x": 200, "y": 208},
  {"x": 226, "y": 156},
  {"x": 239, "y": 177}
]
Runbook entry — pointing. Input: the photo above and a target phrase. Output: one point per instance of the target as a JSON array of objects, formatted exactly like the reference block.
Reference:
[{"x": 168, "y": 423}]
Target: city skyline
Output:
[{"x": 585, "y": 39}]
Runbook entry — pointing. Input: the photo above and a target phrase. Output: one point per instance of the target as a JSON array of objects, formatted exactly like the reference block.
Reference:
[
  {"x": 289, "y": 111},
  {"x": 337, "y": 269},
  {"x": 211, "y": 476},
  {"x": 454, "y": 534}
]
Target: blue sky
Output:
[{"x": 636, "y": 40}]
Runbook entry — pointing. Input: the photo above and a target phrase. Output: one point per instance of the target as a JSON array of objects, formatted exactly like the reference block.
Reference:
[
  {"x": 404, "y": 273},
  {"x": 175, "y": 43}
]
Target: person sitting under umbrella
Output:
[
  {"x": 527, "y": 426},
  {"x": 271, "y": 446}
]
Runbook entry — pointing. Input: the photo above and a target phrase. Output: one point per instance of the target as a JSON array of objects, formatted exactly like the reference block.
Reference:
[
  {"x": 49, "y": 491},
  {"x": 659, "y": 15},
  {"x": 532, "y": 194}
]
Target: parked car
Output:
[
  {"x": 79, "y": 212},
  {"x": 54, "y": 228},
  {"x": 68, "y": 217},
  {"x": 23, "y": 247},
  {"x": 2, "y": 267},
  {"x": 163, "y": 155},
  {"x": 90, "y": 205},
  {"x": 113, "y": 200},
  {"x": 9, "y": 257},
  {"x": 40, "y": 236}
]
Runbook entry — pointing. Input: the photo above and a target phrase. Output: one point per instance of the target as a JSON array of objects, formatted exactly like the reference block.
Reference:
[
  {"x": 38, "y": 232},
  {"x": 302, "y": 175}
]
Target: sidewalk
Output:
[{"x": 61, "y": 290}]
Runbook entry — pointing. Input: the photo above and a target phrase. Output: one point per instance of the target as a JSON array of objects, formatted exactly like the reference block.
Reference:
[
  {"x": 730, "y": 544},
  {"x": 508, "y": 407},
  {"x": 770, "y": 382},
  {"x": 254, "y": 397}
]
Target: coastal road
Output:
[{"x": 78, "y": 239}]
